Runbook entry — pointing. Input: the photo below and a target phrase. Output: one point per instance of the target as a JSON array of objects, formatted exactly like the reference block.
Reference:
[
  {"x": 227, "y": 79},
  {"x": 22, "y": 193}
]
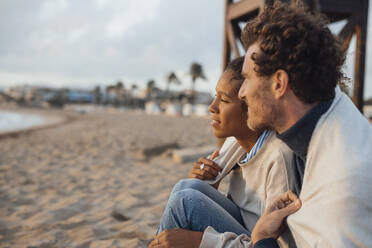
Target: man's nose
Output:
[{"x": 241, "y": 93}]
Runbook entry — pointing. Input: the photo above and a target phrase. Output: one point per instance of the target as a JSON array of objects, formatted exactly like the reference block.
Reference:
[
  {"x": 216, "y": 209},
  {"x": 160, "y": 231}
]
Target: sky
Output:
[{"x": 81, "y": 44}]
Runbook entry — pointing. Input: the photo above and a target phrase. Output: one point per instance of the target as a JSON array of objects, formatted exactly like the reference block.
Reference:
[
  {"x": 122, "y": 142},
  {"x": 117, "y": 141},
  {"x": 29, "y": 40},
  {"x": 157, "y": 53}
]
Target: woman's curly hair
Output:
[
  {"x": 236, "y": 67},
  {"x": 299, "y": 43}
]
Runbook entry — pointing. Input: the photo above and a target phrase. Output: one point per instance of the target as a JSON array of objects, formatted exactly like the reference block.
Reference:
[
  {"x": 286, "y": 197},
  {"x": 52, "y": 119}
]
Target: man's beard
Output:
[{"x": 268, "y": 112}]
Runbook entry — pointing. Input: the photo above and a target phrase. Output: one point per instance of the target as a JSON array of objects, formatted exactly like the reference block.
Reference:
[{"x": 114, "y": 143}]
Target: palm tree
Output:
[
  {"x": 196, "y": 71},
  {"x": 149, "y": 88},
  {"x": 132, "y": 97},
  {"x": 97, "y": 94},
  {"x": 119, "y": 85},
  {"x": 120, "y": 92},
  {"x": 172, "y": 78}
]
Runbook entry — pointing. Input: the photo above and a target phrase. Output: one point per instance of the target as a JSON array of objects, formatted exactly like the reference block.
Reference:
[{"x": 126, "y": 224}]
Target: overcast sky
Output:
[{"x": 97, "y": 42}]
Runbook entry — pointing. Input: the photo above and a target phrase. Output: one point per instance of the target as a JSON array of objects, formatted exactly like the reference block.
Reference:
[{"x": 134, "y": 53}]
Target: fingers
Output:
[
  {"x": 210, "y": 169},
  {"x": 215, "y": 154},
  {"x": 211, "y": 164},
  {"x": 288, "y": 196},
  {"x": 197, "y": 176},
  {"x": 282, "y": 201},
  {"x": 202, "y": 174},
  {"x": 155, "y": 244},
  {"x": 290, "y": 208},
  {"x": 288, "y": 204},
  {"x": 158, "y": 240}
]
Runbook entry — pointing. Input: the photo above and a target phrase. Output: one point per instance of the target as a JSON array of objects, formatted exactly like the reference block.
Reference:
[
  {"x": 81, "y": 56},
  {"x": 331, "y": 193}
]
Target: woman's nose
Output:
[{"x": 213, "y": 107}]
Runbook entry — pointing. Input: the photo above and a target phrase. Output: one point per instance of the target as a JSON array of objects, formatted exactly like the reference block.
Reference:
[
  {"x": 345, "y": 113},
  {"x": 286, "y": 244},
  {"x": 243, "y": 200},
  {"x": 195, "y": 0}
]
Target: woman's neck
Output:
[{"x": 249, "y": 140}]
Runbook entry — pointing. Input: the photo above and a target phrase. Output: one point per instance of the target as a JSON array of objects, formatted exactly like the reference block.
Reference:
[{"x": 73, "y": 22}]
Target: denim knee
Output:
[
  {"x": 183, "y": 199},
  {"x": 182, "y": 210},
  {"x": 189, "y": 183}
]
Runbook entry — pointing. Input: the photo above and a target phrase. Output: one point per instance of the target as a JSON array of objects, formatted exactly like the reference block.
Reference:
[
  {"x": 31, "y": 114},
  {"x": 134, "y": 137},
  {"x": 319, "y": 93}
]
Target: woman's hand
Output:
[
  {"x": 177, "y": 238},
  {"x": 270, "y": 223},
  {"x": 208, "y": 171}
]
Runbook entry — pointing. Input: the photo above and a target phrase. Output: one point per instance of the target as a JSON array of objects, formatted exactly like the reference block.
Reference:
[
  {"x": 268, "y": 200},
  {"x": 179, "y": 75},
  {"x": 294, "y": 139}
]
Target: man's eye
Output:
[{"x": 223, "y": 100}]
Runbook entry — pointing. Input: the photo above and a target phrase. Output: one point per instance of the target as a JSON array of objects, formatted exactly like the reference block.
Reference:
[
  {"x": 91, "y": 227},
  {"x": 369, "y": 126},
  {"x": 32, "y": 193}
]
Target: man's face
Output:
[{"x": 256, "y": 92}]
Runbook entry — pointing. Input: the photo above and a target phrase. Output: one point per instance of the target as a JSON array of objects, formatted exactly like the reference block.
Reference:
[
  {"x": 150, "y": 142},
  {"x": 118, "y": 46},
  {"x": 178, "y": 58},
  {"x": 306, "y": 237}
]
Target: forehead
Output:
[
  {"x": 226, "y": 83},
  {"x": 249, "y": 64}
]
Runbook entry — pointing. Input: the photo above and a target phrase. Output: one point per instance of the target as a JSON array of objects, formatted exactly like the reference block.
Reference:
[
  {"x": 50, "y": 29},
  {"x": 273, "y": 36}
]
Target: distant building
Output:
[{"x": 80, "y": 96}]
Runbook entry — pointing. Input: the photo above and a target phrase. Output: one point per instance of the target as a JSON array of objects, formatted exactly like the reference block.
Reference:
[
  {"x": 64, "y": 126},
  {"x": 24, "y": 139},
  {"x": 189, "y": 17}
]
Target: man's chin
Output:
[{"x": 253, "y": 126}]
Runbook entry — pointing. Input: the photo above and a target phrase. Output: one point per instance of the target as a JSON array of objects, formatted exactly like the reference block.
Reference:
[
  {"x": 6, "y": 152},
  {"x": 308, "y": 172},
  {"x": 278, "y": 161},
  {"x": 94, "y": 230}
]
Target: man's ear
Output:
[{"x": 280, "y": 83}]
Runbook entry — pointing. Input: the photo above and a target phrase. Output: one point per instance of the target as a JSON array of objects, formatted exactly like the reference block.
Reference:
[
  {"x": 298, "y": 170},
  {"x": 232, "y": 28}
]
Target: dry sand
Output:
[{"x": 94, "y": 181}]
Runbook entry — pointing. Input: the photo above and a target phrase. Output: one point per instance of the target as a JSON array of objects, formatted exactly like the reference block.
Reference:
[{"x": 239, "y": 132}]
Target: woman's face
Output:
[{"x": 228, "y": 117}]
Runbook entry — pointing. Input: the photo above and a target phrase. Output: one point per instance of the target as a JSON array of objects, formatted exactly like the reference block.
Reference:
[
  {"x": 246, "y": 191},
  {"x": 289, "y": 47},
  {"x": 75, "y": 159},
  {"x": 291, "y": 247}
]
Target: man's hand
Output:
[
  {"x": 270, "y": 223},
  {"x": 177, "y": 238},
  {"x": 209, "y": 171}
]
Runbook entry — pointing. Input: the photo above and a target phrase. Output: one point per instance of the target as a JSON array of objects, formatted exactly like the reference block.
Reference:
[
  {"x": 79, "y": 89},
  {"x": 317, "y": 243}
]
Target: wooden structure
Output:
[{"x": 355, "y": 12}]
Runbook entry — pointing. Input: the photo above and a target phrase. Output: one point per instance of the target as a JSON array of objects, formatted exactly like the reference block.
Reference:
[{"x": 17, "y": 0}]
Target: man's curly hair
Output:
[{"x": 294, "y": 40}]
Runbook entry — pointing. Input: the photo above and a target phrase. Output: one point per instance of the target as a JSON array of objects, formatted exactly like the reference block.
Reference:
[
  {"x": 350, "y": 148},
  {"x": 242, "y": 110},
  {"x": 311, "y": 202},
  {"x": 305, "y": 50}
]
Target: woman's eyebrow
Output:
[{"x": 224, "y": 93}]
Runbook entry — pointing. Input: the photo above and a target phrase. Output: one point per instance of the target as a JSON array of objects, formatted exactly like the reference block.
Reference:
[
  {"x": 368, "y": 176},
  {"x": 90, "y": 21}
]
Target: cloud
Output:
[
  {"x": 83, "y": 43},
  {"x": 102, "y": 41}
]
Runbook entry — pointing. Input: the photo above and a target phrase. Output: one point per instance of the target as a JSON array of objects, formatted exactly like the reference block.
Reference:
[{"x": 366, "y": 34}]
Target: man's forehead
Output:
[{"x": 248, "y": 62}]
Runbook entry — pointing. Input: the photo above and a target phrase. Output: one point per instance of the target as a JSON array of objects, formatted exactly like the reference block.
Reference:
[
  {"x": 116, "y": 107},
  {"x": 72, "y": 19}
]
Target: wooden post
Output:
[
  {"x": 360, "y": 57},
  {"x": 226, "y": 46}
]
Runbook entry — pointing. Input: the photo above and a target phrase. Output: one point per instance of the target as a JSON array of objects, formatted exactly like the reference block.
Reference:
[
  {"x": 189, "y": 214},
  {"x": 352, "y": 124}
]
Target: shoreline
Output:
[{"x": 52, "y": 118}]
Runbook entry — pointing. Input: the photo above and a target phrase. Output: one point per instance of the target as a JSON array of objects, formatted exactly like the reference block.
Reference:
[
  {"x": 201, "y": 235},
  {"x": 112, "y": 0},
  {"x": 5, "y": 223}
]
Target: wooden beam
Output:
[
  {"x": 237, "y": 30},
  {"x": 232, "y": 39},
  {"x": 347, "y": 31},
  {"x": 226, "y": 53},
  {"x": 339, "y": 6},
  {"x": 236, "y": 10},
  {"x": 346, "y": 42},
  {"x": 360, "y": 57}
]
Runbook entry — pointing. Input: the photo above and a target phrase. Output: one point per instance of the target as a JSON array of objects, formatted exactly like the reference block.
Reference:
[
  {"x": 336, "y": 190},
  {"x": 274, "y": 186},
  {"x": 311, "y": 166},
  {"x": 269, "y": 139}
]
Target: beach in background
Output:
[
  {"x": 10, "y": 121},
  {"x": 101, "y": 179}
]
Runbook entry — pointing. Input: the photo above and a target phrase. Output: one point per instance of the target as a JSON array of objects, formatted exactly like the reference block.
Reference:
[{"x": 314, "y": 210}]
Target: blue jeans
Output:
[{"x": 195, "y": 205}]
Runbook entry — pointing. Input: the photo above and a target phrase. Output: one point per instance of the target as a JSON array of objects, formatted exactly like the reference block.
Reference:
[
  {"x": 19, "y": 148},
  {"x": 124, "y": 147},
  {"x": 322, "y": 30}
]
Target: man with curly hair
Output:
[{"x": 292, "y": 70}]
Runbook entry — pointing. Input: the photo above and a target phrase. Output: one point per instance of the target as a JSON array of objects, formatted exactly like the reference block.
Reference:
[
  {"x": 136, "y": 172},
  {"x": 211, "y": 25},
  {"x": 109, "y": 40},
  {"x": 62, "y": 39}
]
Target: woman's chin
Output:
[{"x": 220, "y": 135}]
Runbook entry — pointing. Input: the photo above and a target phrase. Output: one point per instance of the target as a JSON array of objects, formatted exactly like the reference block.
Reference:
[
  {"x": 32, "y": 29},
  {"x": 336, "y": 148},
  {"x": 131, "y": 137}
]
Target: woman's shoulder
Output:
[{"x": 277, "y": 147}]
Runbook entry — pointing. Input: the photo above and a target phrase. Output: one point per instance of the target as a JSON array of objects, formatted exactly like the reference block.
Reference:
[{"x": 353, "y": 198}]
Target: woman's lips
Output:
[{"x": 215, "y": 123}]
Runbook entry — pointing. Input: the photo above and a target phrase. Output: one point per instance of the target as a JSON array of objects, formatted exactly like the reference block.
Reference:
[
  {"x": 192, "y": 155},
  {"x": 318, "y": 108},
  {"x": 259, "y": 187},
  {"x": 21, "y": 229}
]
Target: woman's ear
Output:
[{"x": 280, "y": 81}]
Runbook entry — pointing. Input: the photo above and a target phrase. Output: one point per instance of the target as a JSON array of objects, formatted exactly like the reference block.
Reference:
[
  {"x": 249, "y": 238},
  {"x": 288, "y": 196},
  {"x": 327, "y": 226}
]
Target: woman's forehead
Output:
[{"x": 228, "y": 84}]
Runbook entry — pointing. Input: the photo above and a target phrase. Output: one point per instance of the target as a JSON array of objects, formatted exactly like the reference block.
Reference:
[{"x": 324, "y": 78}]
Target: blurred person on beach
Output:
[
  {"x": 197, "y": 213},
  {"x": 292, "y": 70}
]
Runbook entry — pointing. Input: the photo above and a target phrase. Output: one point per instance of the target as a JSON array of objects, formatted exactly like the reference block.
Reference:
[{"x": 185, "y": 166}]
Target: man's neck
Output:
[{"x": 293, "y": 112}]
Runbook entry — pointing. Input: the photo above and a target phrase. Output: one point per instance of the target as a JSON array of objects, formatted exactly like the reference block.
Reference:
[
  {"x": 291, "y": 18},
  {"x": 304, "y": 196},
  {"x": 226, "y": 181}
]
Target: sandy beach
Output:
[{"x": 94, "y": 181}]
